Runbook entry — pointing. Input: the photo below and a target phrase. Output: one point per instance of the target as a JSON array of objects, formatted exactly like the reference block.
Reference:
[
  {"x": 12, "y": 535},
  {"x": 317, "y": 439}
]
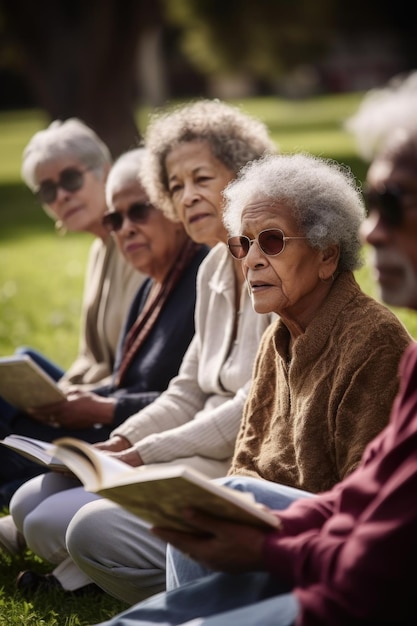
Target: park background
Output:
[{"x": 300, "y": 66}]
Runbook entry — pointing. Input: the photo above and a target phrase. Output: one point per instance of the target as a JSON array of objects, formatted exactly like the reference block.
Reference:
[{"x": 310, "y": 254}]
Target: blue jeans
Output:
[
  {"x": 181, "y": 569},
  {"x": 249, "y": 599}
]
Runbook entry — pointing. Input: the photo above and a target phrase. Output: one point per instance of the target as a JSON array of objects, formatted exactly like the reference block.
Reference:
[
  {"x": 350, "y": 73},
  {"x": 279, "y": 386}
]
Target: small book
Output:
[
  {"x": 34, "y": 450},
  {"x": 25, "y": 385},
  {"x": 157, "y": 493}
]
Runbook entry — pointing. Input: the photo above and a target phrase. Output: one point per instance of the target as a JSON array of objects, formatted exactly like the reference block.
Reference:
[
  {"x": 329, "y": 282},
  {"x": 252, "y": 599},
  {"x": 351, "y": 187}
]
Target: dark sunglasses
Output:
[
  {"x": 388, "y": 201},
  {"x": 271, "y": 242},
  {"x": 136, "y": 213},
  {"x": 70, "y": 179}
]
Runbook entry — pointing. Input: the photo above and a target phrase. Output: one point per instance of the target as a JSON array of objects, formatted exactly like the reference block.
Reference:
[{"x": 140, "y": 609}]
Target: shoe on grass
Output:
[{"x": 29, "y": 582}]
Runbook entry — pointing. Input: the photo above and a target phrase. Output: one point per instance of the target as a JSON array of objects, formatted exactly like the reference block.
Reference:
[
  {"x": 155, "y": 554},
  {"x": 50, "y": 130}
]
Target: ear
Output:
[{"x": 329, "y": 262}]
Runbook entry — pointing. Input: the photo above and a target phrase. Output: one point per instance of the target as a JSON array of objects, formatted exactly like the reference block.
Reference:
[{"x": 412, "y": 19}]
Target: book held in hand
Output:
[
  {"x": 157, "y": 493},
  {"x": 25, "y": 385},
  {"x": 34, "y": 450}
]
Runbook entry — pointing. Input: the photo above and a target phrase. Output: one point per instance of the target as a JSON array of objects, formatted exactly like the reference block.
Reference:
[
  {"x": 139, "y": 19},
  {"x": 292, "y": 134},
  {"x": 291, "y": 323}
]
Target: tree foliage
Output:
[{"x": 262, "y": 38}]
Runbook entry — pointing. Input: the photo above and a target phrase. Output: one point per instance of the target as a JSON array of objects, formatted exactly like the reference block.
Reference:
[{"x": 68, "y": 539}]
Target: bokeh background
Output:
[
  {"x": 101, "y": 59},
  {"x": 302, "y": 66}
]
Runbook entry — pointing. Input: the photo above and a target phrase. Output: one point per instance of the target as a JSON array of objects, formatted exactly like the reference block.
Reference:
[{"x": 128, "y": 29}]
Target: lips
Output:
[
  {"x": 133, "y": 247},
  {"x": 70, "y": 212},
  {"x": 197, "y": 217},
  {"x": 258, "y": 285},
  {"x": 388, "y": 272}
]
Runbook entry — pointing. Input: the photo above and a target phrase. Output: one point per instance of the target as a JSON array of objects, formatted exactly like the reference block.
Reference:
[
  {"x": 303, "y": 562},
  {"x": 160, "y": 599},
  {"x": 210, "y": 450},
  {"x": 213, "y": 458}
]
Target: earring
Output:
[
  {"x": 60, "y": 228},
  {"x": 327, "y": 280}
]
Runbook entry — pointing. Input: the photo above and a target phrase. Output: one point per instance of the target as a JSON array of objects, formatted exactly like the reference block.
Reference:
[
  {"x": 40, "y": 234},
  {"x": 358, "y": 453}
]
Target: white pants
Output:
[{"x": 107, "y": 544}]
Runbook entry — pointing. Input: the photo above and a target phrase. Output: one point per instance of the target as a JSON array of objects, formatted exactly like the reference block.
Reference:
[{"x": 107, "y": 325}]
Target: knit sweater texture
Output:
[{"x": 306, "y": 423}]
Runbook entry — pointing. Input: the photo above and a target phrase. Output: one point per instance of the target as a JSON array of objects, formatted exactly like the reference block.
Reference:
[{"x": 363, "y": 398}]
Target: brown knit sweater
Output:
[{"x": 307, "y": 423}]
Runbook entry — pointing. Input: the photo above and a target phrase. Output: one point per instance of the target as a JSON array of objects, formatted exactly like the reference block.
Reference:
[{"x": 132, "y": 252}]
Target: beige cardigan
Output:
[
  {"x": 109, "y": 288},
  {"x": 307, "y": 424}
]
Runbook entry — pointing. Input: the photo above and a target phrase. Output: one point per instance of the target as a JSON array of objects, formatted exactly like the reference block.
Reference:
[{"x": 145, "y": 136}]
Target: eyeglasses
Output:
[
  {"x": 137, "y": 213},
  {"x": 271, "y": 242},
  {"x": 70, "y": 179},
  {"x": 388, "y": 201}
]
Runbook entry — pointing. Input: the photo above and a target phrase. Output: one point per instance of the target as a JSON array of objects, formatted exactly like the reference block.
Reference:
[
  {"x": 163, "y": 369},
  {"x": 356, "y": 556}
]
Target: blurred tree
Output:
[
  {"x": 263, "y": 38},
  {"x": 80, "y": 58},
  {"x": 267, "y": 39}
]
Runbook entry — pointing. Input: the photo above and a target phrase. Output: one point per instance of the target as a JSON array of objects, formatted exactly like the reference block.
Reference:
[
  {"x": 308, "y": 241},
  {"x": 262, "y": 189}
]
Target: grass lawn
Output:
[{"x": 41, "y": 281}]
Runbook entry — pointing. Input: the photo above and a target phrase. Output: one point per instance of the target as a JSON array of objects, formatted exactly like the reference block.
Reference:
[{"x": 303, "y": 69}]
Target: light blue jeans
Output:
[
  {"x": 252, "y": 599},
  {"x": 182, "y": 569}
]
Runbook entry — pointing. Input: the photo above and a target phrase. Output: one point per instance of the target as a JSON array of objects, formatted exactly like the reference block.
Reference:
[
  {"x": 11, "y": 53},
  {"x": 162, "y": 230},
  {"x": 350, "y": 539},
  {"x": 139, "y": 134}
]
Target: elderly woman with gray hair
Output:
[{"x": 194, "y": 151}]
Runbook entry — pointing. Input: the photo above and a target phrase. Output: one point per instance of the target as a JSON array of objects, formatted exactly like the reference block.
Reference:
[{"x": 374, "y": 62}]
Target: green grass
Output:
[
  {"x": 41, "y": 280},
  {"x": 54, "y": 608}
]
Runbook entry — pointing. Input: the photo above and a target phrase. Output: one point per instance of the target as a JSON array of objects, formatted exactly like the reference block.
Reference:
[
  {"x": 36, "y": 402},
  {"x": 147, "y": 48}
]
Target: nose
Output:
[
  {"x": 128, "y": 227},
  {"x": 190, "y": 194},
  {"x": 254, "y": 257},
  {"x": 374, "y": 230}
]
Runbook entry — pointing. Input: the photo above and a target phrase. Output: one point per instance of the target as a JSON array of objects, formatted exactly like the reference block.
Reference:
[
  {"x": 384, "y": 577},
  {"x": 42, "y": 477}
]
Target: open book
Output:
[
  {"x": 34, "y": 450},
  {"x": 24, "y": 384},
  {"x": 157, "y": 493}
]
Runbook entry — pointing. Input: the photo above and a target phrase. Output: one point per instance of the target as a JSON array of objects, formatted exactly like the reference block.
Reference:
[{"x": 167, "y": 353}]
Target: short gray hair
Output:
[
  {"x": 382, "y": 112},
  {"x": 234, "y": 138},
  {"x": 62, "y": 139},
  {"x": 322, "y": 194},
  {"x": 126, "y": 169}
]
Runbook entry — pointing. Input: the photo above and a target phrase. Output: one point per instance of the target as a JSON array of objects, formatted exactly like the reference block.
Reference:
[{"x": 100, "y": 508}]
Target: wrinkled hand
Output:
[
  {"x": 120, "y": 448},
  {"x": 114, "y": 444},
  {"x": 81, "y": 409},
  {"x": 222, "y": 546},
  {"x": 129, "y": 456}
]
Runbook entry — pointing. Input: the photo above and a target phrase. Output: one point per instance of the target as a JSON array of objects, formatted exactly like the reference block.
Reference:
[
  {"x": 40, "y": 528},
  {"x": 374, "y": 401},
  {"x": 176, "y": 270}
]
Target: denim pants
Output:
[
  {"x": 182, "y": 569},
  {"x": 251, "y": 599}
]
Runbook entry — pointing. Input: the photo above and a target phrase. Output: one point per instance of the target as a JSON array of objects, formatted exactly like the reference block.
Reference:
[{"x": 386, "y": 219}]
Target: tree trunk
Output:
[{"x": 81, "y": 58}]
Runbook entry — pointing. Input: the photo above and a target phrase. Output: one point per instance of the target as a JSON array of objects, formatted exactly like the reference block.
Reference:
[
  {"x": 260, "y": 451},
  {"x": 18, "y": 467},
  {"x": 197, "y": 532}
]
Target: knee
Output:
[
  {"x": 239, "y": 483},
  {"x": 82, "y": 530}
]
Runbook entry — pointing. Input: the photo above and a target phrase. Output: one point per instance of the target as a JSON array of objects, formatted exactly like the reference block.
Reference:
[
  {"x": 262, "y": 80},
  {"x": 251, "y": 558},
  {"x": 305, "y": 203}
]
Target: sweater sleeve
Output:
[
  {"x": 177, "y": 405},
  {"x": 212, "y": 435}
]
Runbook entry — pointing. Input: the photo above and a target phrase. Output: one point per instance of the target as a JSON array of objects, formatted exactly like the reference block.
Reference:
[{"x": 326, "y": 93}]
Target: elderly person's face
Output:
[
  {"x": 294, "y": 283},
  {"x": 146, "y": 238},
  {"x": 72, "y": 194},
  {"x": 391, "y": 227},
  {"x": 196, "y": 180}
]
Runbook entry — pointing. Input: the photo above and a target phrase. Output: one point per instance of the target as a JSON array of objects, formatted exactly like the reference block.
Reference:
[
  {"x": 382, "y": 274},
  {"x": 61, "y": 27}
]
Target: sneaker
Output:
[
  {"x": 11, "y": 540},
  {"x": 29, "y": 582}
]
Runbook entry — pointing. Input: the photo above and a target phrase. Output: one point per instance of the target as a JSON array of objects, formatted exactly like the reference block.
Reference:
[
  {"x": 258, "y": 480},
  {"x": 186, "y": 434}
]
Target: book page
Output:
[
  {"x": 161, "y": 502},
  {"x": 23, "y": 384},
  {"x": 33, "y": 449},
  {"x": 93, "y": 467}
]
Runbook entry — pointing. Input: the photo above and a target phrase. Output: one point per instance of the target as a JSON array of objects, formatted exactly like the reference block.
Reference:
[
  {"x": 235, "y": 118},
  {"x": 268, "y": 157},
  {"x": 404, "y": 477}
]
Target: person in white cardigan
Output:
[{"x": 193, "y": 153}]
